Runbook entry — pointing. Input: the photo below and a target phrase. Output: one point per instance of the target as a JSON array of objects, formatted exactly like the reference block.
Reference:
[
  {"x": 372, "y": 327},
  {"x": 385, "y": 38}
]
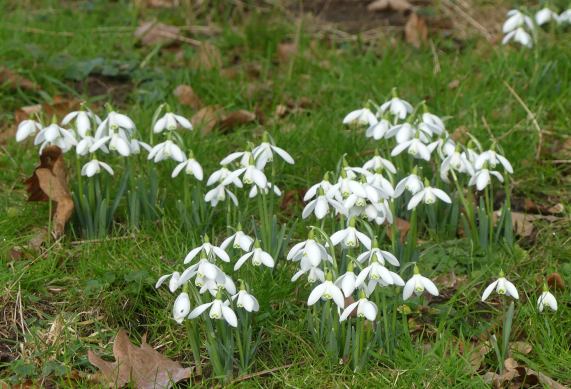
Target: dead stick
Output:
[{"x": 532, "y": 116}]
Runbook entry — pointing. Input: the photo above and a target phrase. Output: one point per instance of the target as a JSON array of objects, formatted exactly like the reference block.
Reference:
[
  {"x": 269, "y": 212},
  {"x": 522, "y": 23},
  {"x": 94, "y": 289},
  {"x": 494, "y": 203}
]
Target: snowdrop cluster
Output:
[
  {"x": 206, "y": 274},
  {"x": 522, "y": 28},
  {"x": 247, "y": 167}
]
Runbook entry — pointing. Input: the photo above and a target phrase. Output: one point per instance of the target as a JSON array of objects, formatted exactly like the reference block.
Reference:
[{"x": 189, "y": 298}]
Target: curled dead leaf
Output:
[
  {"x": 555, "y": 281},
  {"x": 516, "y": 375},
  {"x": 521, "y": 347},
  {"x": 143, "y": 366},
  {"x": 206, "y": 118},
  {"x": 415, "y": 30},
  {"x": 387, "y": 5},
  {"x": 49, "y": 182},
  {"x": 186, "y": 96},
  {"x": 402, "y": 227},
  {"x": 154, "y": 33}
]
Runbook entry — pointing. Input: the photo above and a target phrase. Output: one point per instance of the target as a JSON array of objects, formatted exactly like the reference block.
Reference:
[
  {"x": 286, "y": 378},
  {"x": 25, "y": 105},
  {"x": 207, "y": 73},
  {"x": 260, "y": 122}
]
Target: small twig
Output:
[
  {"x": 470, "y": 20},
  {"x": 531, "y": 116},
  {"x": 559, "y": 161},
  {"x": 487, "y": 127},
  {"x": 435, "y": 58},
  {"x": 78, "y": 242},
  {"x": 263, "y": 372}
]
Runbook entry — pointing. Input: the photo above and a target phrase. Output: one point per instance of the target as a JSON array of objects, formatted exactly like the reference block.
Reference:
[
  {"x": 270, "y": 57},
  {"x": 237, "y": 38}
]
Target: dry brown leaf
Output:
[
  {"x": 143, "y": 366},
  {"x": 49, "y": 182},
  {"x": 478, "y": 355},
  {"x": 453, "y": 84},
  {"x": 237, "y": 118},
  {"x": 460, "y": 134},
  {"x": 415, "y": 30},
  {"x": 521, "y": 347},
  {"x": 402, "y": 226},
  {"x": 14, "y": 81},
  {"x": 209, "y": 57},
  {"x": 207, "y": 118},
  {"x": 38, "y": 238},
  {"x": 286, "y": 52},
  {"x": 556, "y": 209},
  {"x": 555, "y": 281},
  {"x": 386, "y": 5},
  {"x": 523, "y": 222},
  {"x": 154, "y": 33},
  {"x": 186, "y": 96},
  {"x": 515, "y": 375}
]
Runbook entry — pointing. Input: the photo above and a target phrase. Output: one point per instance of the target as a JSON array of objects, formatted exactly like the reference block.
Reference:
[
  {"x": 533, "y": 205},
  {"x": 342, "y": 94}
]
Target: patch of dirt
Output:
[
  {"x": 116, "y": 88},
  {"x": 353, "y": 16}
]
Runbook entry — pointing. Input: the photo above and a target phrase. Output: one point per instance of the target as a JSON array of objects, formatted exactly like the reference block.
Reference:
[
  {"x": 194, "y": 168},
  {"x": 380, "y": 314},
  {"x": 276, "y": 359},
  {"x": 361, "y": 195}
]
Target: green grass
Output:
[{"x": 98, "y": 287}]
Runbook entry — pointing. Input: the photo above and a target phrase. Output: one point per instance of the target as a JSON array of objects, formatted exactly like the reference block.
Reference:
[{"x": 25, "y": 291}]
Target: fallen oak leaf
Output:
[
  {"x": 144, "y": 366},
  {"x": 206, "y": 118},
  {"x": 402, "y": 227},
  {"x": 523, "y": 222},
  {"x": 186, "y": 96},
  {"x": 49, "y": 182}
]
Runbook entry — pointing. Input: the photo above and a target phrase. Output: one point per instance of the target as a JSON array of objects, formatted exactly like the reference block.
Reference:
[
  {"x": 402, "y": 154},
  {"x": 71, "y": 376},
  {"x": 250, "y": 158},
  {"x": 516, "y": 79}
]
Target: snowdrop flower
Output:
[
  {"x": 378, "y": 130},
  {"x": 310, "y": 250},
  {"x": 375, "y": 271},
  {"x": 173, "y": 283},
  {"x": 27, "y": 128},
  {"x": 166, "y": 150},
  {"x": 218, "y": 194},
  {"x": 431, "y": 124},
  {"x": 93, "y": 167},
  {"x": 314, "y": 273},
  {"x": 113, "y": 123},
  {"x": 415, "y": 148},
  {"x": 502, "y": 287},
  {"x": 55, "y": 135},
  {"x": 378, "y": 163},
  {"x": 327, "y": 290},
  {"x": 258, "y": 256},
  {"x": 83, "y": 121},
  {"x": 548, "y": 299},
  {"x": 381, "y": 184},
  {"x": 428, "y": 195},
  {"x": 348, "y": 281},
  {"x": 516, "y": 19},
  {"x": 218, "y": 310},
  {"x": 135, "y": 146},
  {"x": 266, "y": 150},
  {"x": 399, "y": 108},
  {"x": 482, "y": 178},
  {"x": 221, "y": 282},
  {"x": 405, "y": 132},
  {"x": 518, "y": 35},
  {"x": 220, "y": 175},
  {"x": 190, "y": 166},
  {"x": 320, "y": 206},
  {"x": 565, "y": 17},
  {"x": 375, "y": 253},
  {"x": 493, "y": 158},
  {"x": 246, "y": 159},
  {"x": 412, "y": 183},
  {"x": 254, "y": 190},
  {"x": 546, "y": 15},
  {"x": 209, "y": 250},
  {"x": 204, "y": 269},
  {"x": 455, "y": 161},
  {"x": 418, "y": 284},
  {"x": 350, "y": 237},
  {"x": 85, "y": 144},
  {"x": 238, "y": 240},
  {"x": 379, "y": 212},
  {"x": 171, "y": 122},
  {"x": 251, "y": 174},
  {"x": 361, "y": 117},
  {"x": 327, "y": 189},
  {"x": 117, "y": 142},
  {"x": 246, "y": 300},
  {"x": 365, "y": 308},
  {"x": 181, "y": 307}
]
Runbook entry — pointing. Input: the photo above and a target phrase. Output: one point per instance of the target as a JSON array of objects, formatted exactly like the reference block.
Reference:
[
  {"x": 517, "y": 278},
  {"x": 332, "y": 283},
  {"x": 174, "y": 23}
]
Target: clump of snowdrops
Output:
[
  {"x": 523, "y": 27},
  {"x": 359, "y": 268}
]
